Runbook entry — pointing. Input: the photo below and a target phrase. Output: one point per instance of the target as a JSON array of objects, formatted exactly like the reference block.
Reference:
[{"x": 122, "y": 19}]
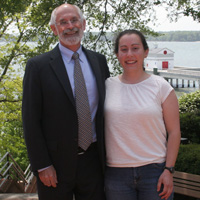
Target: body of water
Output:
[{"x": 186, "y": 54}]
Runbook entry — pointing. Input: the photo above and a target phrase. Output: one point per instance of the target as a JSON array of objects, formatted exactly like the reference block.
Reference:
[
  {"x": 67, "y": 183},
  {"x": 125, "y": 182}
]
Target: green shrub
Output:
[
  {"x": 190, "y": 102},
  {"x": 189, "y": 108},
  {"x": 190, "y": 126},
  {"x": 189, "y": 159}
]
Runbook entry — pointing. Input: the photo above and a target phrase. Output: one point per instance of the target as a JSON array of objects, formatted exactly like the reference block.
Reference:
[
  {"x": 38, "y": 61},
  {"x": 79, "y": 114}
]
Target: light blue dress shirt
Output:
[{"x": 88, "y": 76}]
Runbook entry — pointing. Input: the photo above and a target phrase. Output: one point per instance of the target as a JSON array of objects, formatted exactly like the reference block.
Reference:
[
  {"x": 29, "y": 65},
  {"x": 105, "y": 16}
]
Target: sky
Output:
[{"x": 183, "y": 23}]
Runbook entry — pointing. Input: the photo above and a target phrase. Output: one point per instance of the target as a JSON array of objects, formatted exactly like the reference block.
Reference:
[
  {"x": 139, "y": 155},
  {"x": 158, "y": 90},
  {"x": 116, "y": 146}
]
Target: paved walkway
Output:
[{"x": 13, "y": 196}]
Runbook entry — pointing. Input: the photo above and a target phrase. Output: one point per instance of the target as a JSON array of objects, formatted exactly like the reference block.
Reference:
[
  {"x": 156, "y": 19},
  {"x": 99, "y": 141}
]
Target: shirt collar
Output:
[{"x": 68, "y": 53}]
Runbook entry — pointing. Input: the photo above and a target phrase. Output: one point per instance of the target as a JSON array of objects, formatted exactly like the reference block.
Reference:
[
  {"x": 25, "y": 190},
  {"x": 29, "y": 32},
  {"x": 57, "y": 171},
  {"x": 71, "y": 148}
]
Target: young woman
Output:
[{"x": 141, "y": 125}]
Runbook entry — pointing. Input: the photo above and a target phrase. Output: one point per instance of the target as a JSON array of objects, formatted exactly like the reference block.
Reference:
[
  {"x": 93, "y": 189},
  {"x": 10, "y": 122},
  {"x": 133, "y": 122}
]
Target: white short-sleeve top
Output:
[{"x": 134, "y": 128}]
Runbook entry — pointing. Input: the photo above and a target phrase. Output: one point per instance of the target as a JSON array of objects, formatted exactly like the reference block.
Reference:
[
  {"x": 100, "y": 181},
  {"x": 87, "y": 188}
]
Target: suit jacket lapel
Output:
[{"x": 58, "y": 66}]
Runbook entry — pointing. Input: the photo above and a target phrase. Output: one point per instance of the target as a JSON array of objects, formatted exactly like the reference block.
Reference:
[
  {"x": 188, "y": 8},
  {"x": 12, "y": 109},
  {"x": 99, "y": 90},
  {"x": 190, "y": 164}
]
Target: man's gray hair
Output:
[{"x": 54, "y": 15}]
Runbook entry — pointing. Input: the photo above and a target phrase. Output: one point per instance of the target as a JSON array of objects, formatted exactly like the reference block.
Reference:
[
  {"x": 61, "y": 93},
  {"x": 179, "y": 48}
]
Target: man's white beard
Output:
[{"x": 71, "y": 40}]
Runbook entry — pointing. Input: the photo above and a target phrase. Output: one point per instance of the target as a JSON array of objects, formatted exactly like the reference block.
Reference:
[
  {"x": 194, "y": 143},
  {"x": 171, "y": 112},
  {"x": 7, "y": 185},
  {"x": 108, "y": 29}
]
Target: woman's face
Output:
[{"x": 131, "y": 52}]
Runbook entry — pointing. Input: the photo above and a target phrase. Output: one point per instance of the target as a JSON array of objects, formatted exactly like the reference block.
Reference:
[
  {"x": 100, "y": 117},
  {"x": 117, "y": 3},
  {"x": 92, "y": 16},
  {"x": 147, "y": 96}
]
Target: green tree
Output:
[
  {"x": 24, "y": 32},
  {"x": 11, "y": 137},
  {"x": 16, "y": 32},
  {"x": 177, "y": 8}
]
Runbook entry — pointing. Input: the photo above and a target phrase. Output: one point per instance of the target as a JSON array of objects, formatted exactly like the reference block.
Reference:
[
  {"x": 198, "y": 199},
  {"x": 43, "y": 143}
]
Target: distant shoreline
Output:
[
  {"x": 171, "y": 41},
  {"x": 176, "y": 36},
  {"x": 170, "y": 36}
]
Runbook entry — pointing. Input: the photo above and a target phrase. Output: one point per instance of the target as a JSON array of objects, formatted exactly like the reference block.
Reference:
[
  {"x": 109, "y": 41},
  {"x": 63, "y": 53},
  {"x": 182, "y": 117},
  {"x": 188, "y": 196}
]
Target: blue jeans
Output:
[{"x": 134, "y": 183}]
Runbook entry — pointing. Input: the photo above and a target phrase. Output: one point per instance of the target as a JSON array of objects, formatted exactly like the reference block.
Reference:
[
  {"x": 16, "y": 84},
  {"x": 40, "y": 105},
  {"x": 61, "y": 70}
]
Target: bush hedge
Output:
[
  {"x": 189, "y": 159},
  {"x": 189, "y": 155},
  {"x": 190, "y": 126},
  {"x": 190, "y": 103},
  {"x": 189, "y": 107}
]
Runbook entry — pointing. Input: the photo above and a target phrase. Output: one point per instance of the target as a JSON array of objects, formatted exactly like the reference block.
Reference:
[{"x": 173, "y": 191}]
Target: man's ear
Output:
[{"x": 53, "y": 28}]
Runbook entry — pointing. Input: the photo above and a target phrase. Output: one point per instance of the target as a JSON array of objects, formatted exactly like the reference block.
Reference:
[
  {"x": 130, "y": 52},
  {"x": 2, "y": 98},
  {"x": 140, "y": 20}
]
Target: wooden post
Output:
[
  {"x": 188, "y": 83},
  {"x": 171, "y": 81},
  {"x": 176, "y": 83}
]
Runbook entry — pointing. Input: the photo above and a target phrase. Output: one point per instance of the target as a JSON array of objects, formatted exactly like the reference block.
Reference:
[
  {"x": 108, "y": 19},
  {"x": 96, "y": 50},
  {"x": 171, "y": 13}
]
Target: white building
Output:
[{"x": 160, "y": 58}]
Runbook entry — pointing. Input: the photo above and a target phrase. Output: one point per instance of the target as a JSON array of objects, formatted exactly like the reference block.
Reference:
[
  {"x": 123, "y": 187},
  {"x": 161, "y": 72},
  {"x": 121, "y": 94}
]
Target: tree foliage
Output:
[
  {"x": 183, "y": 7},
  {"x": 24, "y": 33},
  {"x": 11, "y": 137}
]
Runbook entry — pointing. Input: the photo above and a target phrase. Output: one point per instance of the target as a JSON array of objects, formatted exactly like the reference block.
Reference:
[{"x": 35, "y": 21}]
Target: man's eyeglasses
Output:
[{"x": 73, "y": 21}]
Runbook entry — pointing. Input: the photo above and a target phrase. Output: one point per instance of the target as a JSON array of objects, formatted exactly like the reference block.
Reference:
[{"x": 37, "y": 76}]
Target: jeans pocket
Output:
[{"x": 158, "y": 165}]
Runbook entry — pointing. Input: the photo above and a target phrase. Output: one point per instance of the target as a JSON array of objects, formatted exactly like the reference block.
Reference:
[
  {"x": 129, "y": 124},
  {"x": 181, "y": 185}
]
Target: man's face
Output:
[{"x": 69, "y": 27}]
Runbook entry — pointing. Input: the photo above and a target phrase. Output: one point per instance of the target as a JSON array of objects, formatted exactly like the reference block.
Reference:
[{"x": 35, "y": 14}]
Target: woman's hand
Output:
[{"x": 166, "y": 182}]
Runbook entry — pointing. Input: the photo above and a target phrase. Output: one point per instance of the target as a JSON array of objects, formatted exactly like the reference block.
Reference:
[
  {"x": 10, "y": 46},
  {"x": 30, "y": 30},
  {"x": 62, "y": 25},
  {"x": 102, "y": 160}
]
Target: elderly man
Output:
[{"x": 63, "y": 99}]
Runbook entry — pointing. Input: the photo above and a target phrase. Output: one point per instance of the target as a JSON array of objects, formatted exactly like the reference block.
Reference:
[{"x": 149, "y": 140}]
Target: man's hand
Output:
[
  {"x": 166, "y": 179},
  {"x": 48, "y": 177}
]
